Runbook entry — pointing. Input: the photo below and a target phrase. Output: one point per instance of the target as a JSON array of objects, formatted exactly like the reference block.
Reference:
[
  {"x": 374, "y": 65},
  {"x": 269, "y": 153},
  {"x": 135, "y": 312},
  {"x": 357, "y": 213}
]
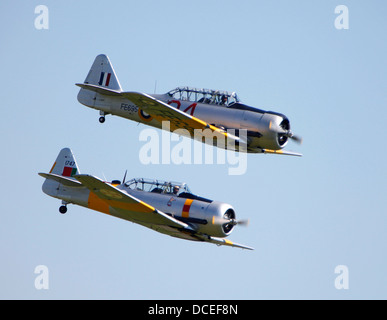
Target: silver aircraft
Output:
[
  {"x": 164, "y": 206},
  {"x": 200, "y": 114}
]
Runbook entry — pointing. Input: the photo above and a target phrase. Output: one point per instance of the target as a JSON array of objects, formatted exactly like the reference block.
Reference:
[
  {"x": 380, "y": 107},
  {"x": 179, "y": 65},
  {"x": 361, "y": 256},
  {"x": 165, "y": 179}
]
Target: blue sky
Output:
[{"x": 307, "y": 215}]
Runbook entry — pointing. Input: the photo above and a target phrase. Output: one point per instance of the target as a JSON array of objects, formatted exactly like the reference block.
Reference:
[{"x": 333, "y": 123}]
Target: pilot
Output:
[
  {"x": 223, "y": 100},
  {"x": 176, "y": 190}
]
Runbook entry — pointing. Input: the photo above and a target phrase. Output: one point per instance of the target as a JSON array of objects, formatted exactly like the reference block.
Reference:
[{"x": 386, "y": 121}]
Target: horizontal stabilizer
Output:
[
  {"x": 63, "y": 180},
  {"x": 99, "y": 89}
]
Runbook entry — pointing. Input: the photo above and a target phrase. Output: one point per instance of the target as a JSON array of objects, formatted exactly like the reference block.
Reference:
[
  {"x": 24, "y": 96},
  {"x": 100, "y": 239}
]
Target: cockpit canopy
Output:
[
  {"x": 157, "y": 186},
  {"x": 216, "y": 97}
]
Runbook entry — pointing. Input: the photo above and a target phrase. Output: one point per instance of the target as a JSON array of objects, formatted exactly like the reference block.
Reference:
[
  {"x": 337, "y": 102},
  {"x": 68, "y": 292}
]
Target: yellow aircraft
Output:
[{"x": 164, "y": 206}]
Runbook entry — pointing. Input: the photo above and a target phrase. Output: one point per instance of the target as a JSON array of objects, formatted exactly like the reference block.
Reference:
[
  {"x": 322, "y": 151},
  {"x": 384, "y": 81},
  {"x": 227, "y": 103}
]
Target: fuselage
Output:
[
  {"x": 198, "y": 212},
  {"x": 261, "y": 129}
]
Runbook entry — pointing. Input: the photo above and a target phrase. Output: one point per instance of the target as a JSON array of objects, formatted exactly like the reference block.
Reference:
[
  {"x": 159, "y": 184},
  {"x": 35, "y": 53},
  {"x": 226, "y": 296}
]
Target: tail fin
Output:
[
  {"x": 103, "y": 74},
  {"x": 100, "y": 79},
  {"x": 64, "y": 166}
]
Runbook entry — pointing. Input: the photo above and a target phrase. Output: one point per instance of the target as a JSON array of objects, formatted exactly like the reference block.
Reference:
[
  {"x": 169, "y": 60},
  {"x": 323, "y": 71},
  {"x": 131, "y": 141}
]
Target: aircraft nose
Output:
[
  {"x": 280, "y": 125},
  {"x": 284, "y": 133}
]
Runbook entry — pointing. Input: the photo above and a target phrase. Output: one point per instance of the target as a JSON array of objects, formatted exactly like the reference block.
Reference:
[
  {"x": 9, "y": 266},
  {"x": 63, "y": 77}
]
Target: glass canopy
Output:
[
  {"x": 157, "y": 186},
  {"x": 217, "y": 97}
]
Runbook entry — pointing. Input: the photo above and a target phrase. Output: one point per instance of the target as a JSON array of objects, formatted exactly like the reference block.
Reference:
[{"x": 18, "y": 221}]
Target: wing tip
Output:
[
  {"x": 282, "y": 152},
  {"x": 226, "y": 242}
]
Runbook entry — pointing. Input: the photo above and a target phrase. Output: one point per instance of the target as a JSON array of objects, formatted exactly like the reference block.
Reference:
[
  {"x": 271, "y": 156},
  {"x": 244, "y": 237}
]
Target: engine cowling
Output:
[
  {"x": 283, "y": 138},
  {"x": 219, "y": 218},
  {"x": 277, "y": 126}
]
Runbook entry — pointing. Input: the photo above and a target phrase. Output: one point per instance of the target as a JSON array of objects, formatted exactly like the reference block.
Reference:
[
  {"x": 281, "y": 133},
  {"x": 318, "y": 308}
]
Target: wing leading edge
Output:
[{"x": 224, "y": 242}]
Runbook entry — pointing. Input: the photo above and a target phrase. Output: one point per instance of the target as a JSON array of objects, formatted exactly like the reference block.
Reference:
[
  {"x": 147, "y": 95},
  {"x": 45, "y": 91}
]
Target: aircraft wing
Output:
[
  {"x": 124, "y": 202},
  {"x": 224, "y": 242},
  {"x": 283, "y": 152},
  {"x": 162, "y": 111}
]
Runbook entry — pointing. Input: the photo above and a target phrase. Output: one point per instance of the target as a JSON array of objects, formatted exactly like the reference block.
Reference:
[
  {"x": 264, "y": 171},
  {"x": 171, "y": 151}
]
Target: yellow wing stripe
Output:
[
  {"x": 273, "y": 151},
  {"x": 228, "y": 242}
]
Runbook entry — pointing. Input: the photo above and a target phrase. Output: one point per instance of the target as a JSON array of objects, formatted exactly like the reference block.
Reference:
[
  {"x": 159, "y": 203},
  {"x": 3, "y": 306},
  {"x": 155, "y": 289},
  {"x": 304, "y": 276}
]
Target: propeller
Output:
[
  {"x": 126, "y": 171},
  {"x": 284, "y": 131},
  {"x": 295, "y": 138},
  {"x": 232, "y": 222},
  {"x": 290, "y": 135}
]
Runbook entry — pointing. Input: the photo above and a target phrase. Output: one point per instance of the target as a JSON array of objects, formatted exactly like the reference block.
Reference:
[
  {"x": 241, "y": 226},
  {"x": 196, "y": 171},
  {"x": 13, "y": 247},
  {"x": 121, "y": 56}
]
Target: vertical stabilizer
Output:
[
  {"x": 102, "y": 74},
  {"x": 65, "y": 164}
]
